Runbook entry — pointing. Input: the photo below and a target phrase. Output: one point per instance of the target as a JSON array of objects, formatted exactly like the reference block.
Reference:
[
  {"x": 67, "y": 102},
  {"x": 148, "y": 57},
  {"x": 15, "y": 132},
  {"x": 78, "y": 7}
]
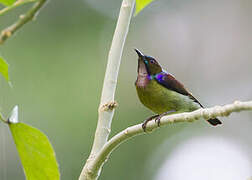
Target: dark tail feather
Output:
[{"x": 214, "y": 121}]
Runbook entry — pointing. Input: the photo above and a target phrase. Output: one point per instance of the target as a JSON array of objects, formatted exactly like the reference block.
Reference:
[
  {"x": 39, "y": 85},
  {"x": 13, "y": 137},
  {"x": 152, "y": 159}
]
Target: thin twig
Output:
[
  {"x": 135, "y": 130},
  {"x": 3, "y": 119},
  {"x": 15, "y": 5},
  {"x": 107, "y": 104},
  {"x": 23, "y": 19}
]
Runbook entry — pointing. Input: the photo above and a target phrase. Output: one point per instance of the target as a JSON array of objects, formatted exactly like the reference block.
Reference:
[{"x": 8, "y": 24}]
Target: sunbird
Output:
[{"x": 159, "y": 91}]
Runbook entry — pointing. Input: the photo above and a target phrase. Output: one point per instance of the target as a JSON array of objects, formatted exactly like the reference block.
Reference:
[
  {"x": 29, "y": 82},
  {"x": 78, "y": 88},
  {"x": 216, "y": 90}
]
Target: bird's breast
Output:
[
  {"x": 142, "y": 81},
  {"x": 160, "y": 99}
]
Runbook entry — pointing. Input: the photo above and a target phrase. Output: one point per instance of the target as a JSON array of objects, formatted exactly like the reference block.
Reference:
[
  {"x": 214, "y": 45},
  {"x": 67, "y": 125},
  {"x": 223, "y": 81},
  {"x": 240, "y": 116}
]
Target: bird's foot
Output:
[
  {"x": 147, "y": 120},
  {"x": 157, "y": 119}
]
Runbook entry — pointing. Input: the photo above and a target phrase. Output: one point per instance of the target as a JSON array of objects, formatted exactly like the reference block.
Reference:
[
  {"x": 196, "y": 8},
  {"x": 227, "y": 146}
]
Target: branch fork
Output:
[
  {"x": 207, "y": 113},
  {"x": 102, "y": 147}
]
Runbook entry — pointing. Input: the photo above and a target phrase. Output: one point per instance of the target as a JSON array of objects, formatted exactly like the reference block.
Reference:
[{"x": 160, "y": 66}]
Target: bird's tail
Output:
[{"x": 214, "y": 121}]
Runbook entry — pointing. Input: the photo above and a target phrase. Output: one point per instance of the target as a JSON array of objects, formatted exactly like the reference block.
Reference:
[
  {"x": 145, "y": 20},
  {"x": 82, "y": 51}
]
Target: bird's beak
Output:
[
  {"x": 140, "y": 55},
  {"x": 142, "y": 69}
]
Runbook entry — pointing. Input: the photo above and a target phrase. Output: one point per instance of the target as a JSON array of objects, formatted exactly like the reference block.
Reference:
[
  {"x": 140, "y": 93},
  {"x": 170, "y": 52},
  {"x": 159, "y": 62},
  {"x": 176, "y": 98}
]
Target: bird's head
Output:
[{"x": 147, "y": 64}]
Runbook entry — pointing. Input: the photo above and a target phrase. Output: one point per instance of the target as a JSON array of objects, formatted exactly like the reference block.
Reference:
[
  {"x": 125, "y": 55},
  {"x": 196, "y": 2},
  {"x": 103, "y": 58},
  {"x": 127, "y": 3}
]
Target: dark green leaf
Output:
[
  {"x": 36, "y": 152},
  {"x": 7, "y": 2},
  {"x": 140, "y": 4},
  {"x": 4, "y": 69}
]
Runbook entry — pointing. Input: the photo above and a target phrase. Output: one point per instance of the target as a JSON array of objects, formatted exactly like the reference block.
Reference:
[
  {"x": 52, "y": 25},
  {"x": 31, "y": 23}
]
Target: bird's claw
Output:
[
  {"x": 147, "y": 120},
  {"x": 144, "y": 126},
  {"x": 157, "y": 119}
]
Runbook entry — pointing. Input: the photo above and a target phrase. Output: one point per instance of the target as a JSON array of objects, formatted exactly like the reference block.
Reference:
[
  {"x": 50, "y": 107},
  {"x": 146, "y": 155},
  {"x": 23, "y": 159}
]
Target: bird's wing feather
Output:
[{"x": 168, "y": 81}]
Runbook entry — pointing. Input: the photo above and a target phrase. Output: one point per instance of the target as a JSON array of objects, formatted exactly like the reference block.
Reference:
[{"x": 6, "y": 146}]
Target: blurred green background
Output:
[{"x": 57, "y": 66}]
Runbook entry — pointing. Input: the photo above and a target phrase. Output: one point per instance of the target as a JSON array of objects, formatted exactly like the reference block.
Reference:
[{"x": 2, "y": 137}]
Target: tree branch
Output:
[
  {"x": 207, "y": 113},
  {"x": 108, "y": 104},
  {"x": 16, "y": 4},
  {"x": 23, "y": 19},
  {"x": 3, "y": 119}
]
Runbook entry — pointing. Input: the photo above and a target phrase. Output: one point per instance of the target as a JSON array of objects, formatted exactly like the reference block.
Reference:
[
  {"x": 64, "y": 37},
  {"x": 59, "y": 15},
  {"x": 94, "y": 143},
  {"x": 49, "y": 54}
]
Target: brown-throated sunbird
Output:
[{"x": 161, "y": 92}]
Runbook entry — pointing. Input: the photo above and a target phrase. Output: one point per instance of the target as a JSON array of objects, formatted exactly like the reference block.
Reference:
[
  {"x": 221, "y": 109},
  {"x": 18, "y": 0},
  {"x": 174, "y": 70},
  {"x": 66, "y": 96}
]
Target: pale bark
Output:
[
  {"x": 108, "y": 104},
  {"x": 135, "y": 130}
]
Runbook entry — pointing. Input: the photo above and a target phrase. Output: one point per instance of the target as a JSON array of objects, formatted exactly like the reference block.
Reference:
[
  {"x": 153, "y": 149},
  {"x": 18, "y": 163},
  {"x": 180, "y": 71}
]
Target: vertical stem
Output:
[{"x": 107, "y": 104}]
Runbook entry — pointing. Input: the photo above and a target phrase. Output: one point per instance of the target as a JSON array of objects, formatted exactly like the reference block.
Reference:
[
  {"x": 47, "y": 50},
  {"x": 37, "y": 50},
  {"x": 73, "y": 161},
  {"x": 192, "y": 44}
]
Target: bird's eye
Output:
[{"x": 152, "y": 61}]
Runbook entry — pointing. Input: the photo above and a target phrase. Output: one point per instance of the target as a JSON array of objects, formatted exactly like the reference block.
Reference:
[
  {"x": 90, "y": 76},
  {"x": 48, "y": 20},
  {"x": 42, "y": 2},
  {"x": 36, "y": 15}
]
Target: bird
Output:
[{"x": 161, "y": 92}]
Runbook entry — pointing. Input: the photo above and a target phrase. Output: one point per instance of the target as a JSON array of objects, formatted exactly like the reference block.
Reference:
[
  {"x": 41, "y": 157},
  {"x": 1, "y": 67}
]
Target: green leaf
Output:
[
  {"x": 36, "y": 152},
  {"x": 7, "y": 2},
  {"x": 140, "y": 4},
  {"x": 4, "y": 69}
]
